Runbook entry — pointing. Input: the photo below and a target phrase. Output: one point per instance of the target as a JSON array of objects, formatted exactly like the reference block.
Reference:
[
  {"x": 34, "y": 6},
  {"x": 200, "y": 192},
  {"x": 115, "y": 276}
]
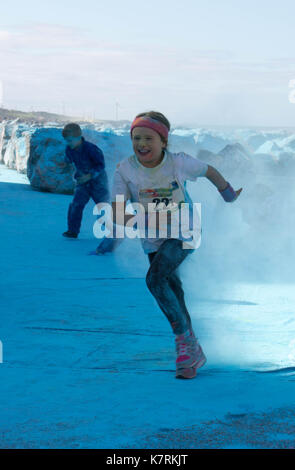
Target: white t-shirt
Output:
[{"x": 135, "y": 182}]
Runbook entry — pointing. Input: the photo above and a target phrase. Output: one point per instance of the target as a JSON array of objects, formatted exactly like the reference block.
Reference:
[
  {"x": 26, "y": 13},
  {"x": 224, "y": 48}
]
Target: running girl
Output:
[{"x": 153, "y": 170}]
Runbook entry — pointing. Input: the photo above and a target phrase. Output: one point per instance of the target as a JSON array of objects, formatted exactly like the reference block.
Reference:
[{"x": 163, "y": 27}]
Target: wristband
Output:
[{"x": 228, "y": 193}]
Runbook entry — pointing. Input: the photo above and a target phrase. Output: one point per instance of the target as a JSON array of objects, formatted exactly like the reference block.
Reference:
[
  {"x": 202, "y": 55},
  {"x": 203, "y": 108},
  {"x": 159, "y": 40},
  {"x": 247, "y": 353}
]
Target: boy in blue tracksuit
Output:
[{"x": 90, "y": 175}]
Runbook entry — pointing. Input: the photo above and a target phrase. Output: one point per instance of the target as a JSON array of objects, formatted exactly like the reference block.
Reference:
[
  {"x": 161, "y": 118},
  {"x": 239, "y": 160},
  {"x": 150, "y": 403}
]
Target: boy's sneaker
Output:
[
  {"x": 190, "y": 355},
  {"x": 70, "y": 234}
]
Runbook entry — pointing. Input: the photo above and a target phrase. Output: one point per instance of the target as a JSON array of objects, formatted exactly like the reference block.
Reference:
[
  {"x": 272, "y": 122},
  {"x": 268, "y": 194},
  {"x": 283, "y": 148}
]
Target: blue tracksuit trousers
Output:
[{"x": 97, "y": 189}]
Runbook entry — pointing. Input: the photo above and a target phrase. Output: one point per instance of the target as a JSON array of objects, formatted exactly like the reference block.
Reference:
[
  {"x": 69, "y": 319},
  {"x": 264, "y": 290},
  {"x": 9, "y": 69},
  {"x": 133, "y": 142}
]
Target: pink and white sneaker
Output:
[{"x": 190, "y": 355}]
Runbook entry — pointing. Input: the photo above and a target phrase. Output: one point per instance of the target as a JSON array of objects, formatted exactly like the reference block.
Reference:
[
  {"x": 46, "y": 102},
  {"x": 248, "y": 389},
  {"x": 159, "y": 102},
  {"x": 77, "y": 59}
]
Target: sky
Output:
[{"x": 223, "y": 63}]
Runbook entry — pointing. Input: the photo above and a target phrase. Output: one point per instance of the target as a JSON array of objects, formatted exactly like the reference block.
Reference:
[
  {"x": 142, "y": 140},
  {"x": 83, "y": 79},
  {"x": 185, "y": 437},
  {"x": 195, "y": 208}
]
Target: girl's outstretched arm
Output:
[
  {"x": 119, "y": 209},
  {"x": 223, "y": 186}
]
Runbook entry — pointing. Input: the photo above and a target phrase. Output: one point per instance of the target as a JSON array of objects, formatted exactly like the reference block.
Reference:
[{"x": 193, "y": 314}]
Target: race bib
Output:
[
  {"x": 162, "y": 205},
  {"x": 161, "y": 199}
]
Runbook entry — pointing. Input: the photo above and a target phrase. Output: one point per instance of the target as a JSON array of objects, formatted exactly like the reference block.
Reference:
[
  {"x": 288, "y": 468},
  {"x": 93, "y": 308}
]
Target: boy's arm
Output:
[
  {"x": 67, "y": 161},
  {"x": 67, "y": 157},
  {"x": 97, "y": 157}
]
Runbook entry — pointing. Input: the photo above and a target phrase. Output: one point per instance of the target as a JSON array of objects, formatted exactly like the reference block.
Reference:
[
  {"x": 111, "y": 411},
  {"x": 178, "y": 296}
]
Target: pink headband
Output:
[{"x": 146, "y": 121}]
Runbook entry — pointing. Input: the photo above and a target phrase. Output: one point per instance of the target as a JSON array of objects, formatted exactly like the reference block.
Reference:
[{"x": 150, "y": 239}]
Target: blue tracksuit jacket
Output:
[{"x": 87, "y": 158}]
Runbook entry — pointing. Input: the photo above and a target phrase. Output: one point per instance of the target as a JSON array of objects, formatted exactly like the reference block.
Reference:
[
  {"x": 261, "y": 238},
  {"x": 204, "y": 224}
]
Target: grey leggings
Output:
[{"x": 164, "y": 283}]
